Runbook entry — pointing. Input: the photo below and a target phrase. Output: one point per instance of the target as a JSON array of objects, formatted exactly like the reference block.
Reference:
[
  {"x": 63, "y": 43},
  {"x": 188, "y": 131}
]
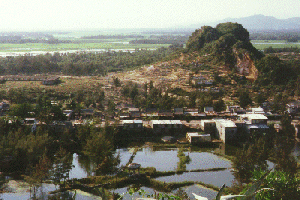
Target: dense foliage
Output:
[
  {"x": 80, "y": 64},
  {"x": 289, "y": 35},
  {"x": 223, "y": 42},
  {"x": 275, "y": 71}
]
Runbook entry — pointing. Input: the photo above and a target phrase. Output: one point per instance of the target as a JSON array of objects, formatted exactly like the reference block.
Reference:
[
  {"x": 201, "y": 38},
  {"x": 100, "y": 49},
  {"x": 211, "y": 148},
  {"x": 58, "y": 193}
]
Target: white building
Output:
[
  {"x": 163, "y": 125},
  {"x": 255, "y": 122},
  {"x": 226, "y": 129},
  {"x": 258, "y": 110},
  {"x": 207, "y": 125},
  {"x": 196, "y": 137},
  {"x": 132, "y": 124}
]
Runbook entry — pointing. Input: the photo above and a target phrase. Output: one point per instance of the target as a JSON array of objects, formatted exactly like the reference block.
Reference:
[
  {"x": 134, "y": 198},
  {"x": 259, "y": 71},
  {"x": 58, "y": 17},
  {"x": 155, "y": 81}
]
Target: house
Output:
[
  {"x": 160, "y": 126},
  {"x": 235, "y": 109},
  {"x": 166, "y": 114},
  {"x": 69, "y": 114},
  {"x": 191, "y": 110},
  {"x": 178, "y": 111},
  {"x": 293, "y": 107},
  {"x": 296, "y": 125},
  {"x": 168, "y": 139},
  {"x": 124, "y": 116},
  {"x": 208, "y": 126},
  {"x": 208, "y": 109},
  {"x": 193, "y": 113},
  {"x": 150, "y": 112},
  {"x": 258, "y": 110},
  {"x": 87, "y": 113},
  {"x": 134, "y": 112},
  {"x": 200, "y": 80},
  {"x": 4, "y": 106},
  {"x": 196, "y": 138},
  {"x": 61, "y": 126},
  {"x": 30, "y": 121},
  {"x": 255, "y": 123},
  {"x": 132, "y": 124},
  {"x": 226, "y": 130},
  {"x": 51, "y": 81}
]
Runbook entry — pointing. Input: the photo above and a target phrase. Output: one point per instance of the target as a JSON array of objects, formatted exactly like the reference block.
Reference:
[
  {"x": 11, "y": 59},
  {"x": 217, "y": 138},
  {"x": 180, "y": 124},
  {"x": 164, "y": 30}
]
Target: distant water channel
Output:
[{"x": 35, "y": 53}]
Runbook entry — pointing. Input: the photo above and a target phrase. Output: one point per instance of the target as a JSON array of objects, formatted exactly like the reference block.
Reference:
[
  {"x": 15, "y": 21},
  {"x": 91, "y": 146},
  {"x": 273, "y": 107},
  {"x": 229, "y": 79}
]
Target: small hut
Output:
[{"x": 134, "y": 166}]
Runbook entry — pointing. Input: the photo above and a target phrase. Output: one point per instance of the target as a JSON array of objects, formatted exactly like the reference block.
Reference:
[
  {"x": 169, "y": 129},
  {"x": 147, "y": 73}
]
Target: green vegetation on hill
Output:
[
  {"x": 223, "y": 42},
  {"x": 80, "y": 64}
]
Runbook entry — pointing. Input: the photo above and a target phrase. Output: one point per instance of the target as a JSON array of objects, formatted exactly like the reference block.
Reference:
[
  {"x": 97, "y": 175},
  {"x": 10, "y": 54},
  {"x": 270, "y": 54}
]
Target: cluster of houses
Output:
[
  {"x": 233, "y": 125},
  {"x": 228, "y": 126},
  {"x": 45, "y": 80}
]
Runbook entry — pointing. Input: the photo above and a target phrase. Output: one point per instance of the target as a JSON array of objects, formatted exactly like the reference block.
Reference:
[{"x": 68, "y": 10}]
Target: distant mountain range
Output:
[{"x": 258, "y": 23}]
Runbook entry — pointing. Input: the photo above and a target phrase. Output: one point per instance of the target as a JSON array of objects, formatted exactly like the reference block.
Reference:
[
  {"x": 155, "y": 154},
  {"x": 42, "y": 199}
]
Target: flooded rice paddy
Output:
[{"x": 162, "y": 160}]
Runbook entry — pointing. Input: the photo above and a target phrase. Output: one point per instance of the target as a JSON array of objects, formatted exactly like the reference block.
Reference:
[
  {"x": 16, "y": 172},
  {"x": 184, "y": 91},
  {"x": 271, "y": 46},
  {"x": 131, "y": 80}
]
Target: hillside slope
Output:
[{"x": 228, "y": 45}]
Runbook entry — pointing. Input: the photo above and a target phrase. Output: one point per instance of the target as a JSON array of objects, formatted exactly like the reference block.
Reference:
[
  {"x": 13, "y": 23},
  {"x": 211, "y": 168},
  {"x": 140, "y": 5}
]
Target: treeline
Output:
[
  {"x": 30, "y": 37},
  {"x": 147, "y": 96},
  {"x": 112, "y": 36},
  {"x": 162, "y": 39},
  {"x": 277, "y": 72},
  {"x": 149, "y": 41},
  {"x": 81, "y": 63},
  {"x": 280, "y": 50},
  {"x": 276, "y": 35}
]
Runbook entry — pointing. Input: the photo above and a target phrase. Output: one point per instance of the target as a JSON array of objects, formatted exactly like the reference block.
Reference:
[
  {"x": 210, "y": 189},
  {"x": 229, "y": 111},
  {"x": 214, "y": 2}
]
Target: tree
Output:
[
  {"x": 237, "y": 30},
  {"x": 100, "y": 150},
  {"x": 201, "y": 36},
  {"x": 62, "y": 165},
  {"x": 134, "y": 92},
  {"x": 275, "y": 71},
  {"x": 117, "y": 82},
  {"x": 244, "y": 99},
  {"x": 21, "y": 110},
  {"x": 281, "y": 186},
  {"x": 260, "y": 98},
  {"x": 219, "y": 105},
  {"x": 39, "y": 173}
]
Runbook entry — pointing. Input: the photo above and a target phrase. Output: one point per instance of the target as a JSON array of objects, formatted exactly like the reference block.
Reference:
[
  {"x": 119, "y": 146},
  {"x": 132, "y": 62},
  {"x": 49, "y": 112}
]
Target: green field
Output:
[
  {"x": 28, "y": 47},
  {"x": 263, "y": 44},
  {"x": 76, "y": 43}
]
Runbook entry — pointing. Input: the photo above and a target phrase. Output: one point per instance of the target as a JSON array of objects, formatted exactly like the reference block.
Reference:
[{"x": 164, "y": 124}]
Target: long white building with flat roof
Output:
[
  {"x": 163, "y": 125},
  {"x": 255, "y": 122}
]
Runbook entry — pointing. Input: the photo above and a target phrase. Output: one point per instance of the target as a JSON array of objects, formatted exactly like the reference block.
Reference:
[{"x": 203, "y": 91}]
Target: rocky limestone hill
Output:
[{"x": 228, "y": 45}]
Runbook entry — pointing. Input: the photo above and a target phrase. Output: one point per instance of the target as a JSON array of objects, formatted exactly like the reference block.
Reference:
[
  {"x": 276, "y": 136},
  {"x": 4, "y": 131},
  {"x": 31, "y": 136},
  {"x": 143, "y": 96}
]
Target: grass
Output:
[
  {"x": 28, "y": 47},
  {"x": 69, "y": 84},
  {"x": 85, "y": 44},
  {"x": 263, "y": 44}
]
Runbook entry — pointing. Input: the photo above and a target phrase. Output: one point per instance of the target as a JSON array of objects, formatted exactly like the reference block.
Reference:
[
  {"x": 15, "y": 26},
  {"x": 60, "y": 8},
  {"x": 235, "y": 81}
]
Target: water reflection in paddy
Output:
[
  {"x": 166, "y": 160},
  {"x": 197, "y": 189},
  {"x": 21, "y": 191},
  {"x": 205, "y": 160},
  {"x": 217, "y": 178}
]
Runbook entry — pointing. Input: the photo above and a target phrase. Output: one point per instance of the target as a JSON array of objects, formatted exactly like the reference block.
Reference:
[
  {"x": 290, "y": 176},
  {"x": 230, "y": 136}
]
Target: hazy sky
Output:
[{"x": 29, "y": 15}]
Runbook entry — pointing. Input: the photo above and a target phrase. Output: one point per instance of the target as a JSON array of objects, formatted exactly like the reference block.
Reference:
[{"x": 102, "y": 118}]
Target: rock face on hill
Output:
[
  {"x": 245, "y": 66},
  {"x": 229, "y": 45}
]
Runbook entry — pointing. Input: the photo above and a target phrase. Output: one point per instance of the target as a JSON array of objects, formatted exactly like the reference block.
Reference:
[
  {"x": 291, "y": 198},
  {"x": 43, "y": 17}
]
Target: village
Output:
[{"x": 234, "y": 125}]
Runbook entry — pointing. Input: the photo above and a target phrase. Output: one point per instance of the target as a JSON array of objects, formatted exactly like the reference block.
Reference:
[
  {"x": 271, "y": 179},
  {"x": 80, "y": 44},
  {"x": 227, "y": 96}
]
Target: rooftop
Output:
[
  {"x": 196, "y": 134},
  {"x": 226, "y": 123},
  {"x": 254, "y": 116},
  {"x": 166, "y": 122},
  {"x": 132, "y": 121}
]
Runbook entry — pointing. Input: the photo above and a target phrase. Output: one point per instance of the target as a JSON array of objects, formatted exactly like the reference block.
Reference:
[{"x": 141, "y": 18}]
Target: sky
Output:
[{"x": 50, "y": 15}]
